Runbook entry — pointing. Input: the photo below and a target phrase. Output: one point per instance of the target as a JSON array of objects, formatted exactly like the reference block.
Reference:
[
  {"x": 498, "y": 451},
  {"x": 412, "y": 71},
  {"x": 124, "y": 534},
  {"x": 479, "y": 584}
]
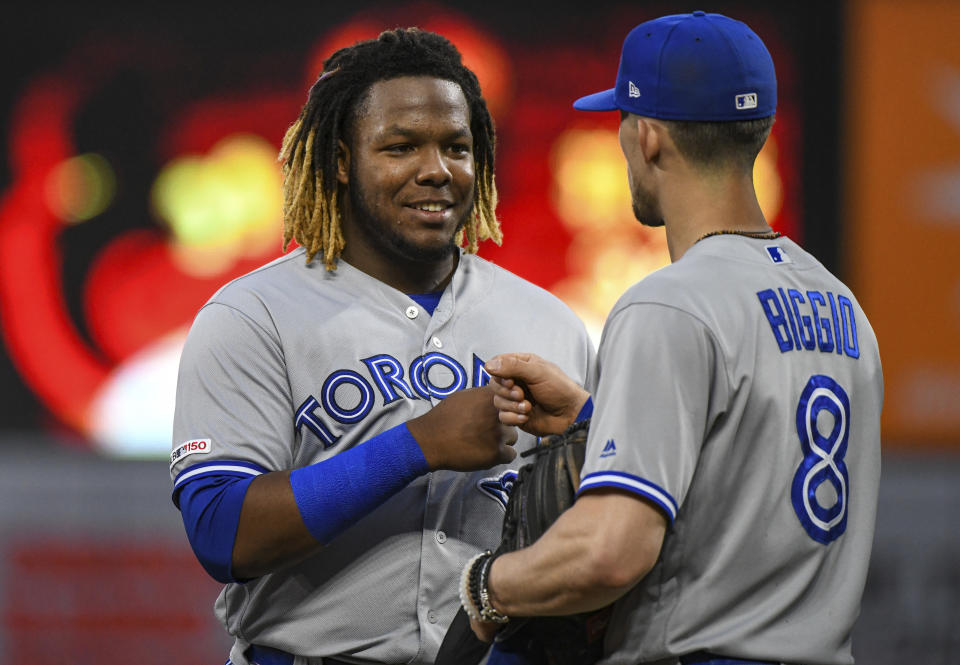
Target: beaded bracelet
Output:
[
  {"x": 487, "y": 611},
  {"x": 470, "y": 585},
  {"x": 474, "y": 595}
]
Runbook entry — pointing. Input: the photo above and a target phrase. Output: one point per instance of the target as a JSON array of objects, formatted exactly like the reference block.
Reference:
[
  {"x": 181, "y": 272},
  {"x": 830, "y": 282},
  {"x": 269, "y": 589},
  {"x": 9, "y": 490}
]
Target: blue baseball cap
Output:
[{"x": 699, "y": 66}]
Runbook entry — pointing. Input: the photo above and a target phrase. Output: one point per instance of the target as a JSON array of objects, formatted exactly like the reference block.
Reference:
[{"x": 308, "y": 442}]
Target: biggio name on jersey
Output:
[
  {"x": 348, "y": 396},
  {"x": 811, "y": 320}
]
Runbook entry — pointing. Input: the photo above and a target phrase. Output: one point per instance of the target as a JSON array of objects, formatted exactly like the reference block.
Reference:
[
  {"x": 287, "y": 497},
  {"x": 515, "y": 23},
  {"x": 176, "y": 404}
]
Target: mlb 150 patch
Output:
[{"x": 193, "y": 447}]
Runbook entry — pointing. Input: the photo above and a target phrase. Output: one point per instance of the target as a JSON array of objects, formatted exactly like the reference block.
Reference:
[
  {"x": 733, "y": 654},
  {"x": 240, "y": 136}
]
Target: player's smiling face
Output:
[{"x": 409, "y": 172}]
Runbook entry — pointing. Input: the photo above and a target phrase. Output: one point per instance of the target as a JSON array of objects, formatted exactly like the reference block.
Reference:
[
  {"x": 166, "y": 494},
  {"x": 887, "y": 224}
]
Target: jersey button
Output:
[
  {"x": 437, "y": 343},
  {"x": 441, "y": 537},
  {"x": 412, "y": 312},
  {"x": 432, "y": 616}
]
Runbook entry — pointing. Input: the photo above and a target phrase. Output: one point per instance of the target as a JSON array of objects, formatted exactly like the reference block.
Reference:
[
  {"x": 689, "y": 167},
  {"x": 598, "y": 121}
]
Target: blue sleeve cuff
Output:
[
  {"x": 216, "y": 469},
  {"x": 633, "y": 484},
  {"x": 586, "y": 411},
  {"x": 335, "y": 493}
]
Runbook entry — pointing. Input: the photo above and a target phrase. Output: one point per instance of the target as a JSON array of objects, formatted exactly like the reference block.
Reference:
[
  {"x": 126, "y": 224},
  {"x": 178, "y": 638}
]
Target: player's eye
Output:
[
  {"x": 461, "y": 148},
  {"x": 399, "y": 148}
]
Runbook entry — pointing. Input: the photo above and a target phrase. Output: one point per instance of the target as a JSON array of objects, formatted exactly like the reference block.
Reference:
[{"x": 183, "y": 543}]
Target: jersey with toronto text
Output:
[
  {"x": 739, "y": 390},
  {"x": 293, "y": 364}
]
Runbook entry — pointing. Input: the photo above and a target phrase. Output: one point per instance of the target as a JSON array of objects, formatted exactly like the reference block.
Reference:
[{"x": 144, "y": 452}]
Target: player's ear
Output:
[
  {"x": 343, "y": 163},
  {"x": 649, "y": 138}
]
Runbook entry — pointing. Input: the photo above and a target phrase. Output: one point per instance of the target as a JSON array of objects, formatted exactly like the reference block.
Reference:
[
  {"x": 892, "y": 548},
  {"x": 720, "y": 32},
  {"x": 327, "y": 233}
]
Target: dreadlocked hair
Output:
[{"x": 311, "y": 211}]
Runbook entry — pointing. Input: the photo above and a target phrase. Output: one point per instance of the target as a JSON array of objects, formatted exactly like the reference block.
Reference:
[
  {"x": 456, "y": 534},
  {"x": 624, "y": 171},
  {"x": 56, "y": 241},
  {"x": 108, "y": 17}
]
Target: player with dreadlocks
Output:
[
  {"x": 337, "y": 456},
  {"x": 311, "y": 215}
]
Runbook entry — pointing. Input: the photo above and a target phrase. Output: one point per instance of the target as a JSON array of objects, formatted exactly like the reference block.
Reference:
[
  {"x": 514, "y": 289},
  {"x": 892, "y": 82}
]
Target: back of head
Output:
[
  {"x": 732, "y": 144},
  {"x": 708, "y": 77},
  {"x": 310, "y": 147}
]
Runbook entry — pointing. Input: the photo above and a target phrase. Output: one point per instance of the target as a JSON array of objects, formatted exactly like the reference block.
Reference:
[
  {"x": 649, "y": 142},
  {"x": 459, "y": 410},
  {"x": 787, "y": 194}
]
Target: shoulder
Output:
[
  {"x": 669, "y": 285},
  {"x": 498, "y": 294},
  {"x": 267, "y": 277},
  {"x": 498, "y": 282},
  {"x": 266, "y": 298},
  {"x": 695, "y": 292},
  {"x": 284, "y": 284},
  {"x": 712, "y": 272}
]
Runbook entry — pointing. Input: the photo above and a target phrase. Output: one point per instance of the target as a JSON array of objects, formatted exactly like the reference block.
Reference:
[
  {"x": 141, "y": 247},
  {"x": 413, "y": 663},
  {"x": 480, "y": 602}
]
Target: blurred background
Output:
[{"x": 139, "y": 174}]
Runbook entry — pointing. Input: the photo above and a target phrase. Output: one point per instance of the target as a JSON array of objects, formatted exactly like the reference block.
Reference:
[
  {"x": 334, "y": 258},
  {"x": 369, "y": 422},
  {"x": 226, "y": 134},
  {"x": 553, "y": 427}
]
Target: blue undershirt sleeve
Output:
[{"x": 210, "y": 508}]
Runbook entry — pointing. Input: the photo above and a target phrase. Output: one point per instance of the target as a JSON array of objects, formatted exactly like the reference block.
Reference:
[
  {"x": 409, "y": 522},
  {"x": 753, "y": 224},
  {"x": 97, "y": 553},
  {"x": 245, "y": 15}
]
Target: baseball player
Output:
[
  {"x": 337, "y": 454},
  {"x": 728, "y": 496}
]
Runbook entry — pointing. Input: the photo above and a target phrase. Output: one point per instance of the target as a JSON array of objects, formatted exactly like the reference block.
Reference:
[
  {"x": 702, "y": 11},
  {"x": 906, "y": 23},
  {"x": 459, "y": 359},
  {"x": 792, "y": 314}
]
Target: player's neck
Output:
[
  {"x": 692, "y": 210},
  {"x": 407, "y": 276}
]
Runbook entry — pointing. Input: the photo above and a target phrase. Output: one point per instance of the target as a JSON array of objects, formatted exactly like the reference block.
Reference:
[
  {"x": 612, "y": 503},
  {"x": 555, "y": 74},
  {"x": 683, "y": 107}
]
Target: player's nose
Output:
[{"x": 433, "y": 169}]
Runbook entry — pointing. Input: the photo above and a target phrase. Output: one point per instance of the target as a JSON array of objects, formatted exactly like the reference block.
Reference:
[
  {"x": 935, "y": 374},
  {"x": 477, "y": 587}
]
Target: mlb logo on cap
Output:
[
  {"x": 747, "y": 101},
  {"x": 697, "y": 67}
]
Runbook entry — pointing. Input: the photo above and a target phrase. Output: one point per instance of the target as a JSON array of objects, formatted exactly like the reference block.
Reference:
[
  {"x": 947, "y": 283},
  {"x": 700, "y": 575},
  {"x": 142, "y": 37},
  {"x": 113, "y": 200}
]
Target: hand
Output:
[
  {"x": 463, "y": 432},
  {"x": 534, "y": 394},
  {"x": 485, "y": 630}
]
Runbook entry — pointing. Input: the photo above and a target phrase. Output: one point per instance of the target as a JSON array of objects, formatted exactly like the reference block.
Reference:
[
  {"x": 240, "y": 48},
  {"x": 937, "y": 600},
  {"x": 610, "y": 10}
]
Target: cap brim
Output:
[{"x": 598, "y": 101}]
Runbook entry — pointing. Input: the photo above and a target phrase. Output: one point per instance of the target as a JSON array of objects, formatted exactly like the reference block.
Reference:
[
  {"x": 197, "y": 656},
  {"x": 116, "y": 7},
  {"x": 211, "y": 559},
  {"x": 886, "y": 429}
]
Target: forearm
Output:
[
  {"x": 541, "y": 581},
  {"x": 271, "y": 532},
  {"x": 288, "y": 515},
  {"x": 594, "y": 553}
]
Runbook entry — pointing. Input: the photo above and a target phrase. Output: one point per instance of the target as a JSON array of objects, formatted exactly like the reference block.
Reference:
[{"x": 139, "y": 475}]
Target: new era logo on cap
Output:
[
  {"x": 747, "y": 101},
  {"x": 633, "y": 90}
]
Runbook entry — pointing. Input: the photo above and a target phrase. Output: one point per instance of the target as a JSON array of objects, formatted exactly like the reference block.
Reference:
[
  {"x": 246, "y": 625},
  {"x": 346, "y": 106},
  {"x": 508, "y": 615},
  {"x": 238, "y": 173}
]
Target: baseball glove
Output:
[
  {"x": 543, "y": 489},
  {"x": 541, "y": 492}
]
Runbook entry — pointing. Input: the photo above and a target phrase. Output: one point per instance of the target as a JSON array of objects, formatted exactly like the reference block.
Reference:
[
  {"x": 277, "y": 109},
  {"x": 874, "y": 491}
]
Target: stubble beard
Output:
[
  {"x": 646, "y": 208},
  {"x": 383, "y": 232}
]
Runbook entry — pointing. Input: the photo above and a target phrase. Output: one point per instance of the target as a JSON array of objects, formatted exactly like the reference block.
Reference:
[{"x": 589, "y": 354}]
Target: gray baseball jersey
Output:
[
  {"x": 740, "y": 390},
  {"x": 292, "y": 364}
]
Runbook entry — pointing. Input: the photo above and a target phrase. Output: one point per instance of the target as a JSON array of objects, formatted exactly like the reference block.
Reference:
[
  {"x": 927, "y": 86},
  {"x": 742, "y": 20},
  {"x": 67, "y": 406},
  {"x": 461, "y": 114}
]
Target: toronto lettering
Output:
[{"x": 348, "y": 396}]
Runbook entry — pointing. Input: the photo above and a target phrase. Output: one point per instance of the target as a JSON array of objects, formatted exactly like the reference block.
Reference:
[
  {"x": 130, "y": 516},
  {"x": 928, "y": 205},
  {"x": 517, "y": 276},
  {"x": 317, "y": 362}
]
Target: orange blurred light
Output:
[
  {"x": 610, "y": 249},
  {"x": 767, "y": 181},
  {"x": 590, "y": 180}
]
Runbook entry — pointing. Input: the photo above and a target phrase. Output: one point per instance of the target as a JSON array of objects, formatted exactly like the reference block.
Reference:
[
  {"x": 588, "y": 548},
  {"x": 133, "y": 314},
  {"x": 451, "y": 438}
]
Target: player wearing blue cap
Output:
[
  {"x": 728, "y": 497},
  {"x": 337, "y": 455}
]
